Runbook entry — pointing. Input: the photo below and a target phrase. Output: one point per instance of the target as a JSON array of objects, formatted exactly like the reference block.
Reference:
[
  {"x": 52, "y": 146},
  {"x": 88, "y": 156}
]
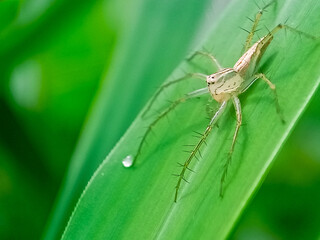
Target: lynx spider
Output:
[{"x": 224, "y": 85}]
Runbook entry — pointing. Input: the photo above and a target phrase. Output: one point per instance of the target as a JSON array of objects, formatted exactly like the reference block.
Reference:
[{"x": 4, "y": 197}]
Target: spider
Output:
[{"x": 224, "y": 86}]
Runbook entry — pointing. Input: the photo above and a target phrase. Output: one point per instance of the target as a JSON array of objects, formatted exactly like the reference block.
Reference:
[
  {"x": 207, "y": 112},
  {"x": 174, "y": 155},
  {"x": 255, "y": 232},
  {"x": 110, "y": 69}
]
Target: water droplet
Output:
[{"x": 127, "y": 161}]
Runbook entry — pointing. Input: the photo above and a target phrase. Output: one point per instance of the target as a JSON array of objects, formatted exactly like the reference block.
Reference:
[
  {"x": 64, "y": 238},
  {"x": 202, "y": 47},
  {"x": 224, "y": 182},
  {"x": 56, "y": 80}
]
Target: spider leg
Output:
[
  {"x": 164, "y": 86},
  {"x": 271, "y": 33},
  {"x": 173, "y": 105},
  {"x": 196, "y": 148},
  {"x": 214, "y": 61},
  {"x": 254, "y": 26},
  {"x": 273, "y": 88},
  {"x": 237, "y": 106}
]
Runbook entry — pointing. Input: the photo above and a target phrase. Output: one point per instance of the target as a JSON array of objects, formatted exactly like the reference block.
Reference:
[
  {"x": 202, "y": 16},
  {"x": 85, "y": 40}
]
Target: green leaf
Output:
[
  {"x": 155, "y": 38},
  {"x": 137, "y": 203}
]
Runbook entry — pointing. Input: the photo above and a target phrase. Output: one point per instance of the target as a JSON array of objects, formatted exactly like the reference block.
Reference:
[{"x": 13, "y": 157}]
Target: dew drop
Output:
[{"x": 127, "y": 161}]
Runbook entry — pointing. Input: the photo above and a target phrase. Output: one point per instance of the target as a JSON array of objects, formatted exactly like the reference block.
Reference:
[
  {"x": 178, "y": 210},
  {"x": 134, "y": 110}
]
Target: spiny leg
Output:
[
  {"x": 273, "y": 88},
  {"x": 195, "y": 150},
  {"x": 164, "y": 86},
  {"x": 254, "y": 26},
  {"x": 173, "y": 105},
  {"x": 267, "y": 39},
  {"x": 237, "y": 106},
  {"x": 295, "y": 30},
  {"x": 252, "y": 31},
  {"x": 248, "y": 62},
  {"x": 214, "y": 61}
]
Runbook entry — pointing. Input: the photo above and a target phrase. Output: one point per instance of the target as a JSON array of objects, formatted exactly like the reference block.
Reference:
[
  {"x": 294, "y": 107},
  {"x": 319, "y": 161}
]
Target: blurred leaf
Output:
[
  {"x": 50, "y": 86},
  {"x": 33, "y": 21},
  {"x": 22, "y": 197},
  {"x": 137, "y": 203},
  {"x": 8, "y": 12},
  {"x": 50, "y": 70}
]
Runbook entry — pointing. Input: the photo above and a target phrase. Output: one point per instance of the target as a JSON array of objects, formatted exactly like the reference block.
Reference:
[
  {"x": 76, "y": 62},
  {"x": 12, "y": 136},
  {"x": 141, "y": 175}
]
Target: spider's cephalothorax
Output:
[{"x": 224, "y": 84}]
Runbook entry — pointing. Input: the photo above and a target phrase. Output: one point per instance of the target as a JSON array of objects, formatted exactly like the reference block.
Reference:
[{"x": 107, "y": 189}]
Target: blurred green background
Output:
[{"x": 54, "y": 59}]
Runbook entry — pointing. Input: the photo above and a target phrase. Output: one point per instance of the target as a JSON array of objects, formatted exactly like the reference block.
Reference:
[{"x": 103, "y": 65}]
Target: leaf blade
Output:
[{"x": 199, "y": 213}]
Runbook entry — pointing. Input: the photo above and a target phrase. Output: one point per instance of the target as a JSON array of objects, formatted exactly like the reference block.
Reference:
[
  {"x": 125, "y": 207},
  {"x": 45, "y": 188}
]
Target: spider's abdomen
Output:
[{"x": 248, "y": 62}]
